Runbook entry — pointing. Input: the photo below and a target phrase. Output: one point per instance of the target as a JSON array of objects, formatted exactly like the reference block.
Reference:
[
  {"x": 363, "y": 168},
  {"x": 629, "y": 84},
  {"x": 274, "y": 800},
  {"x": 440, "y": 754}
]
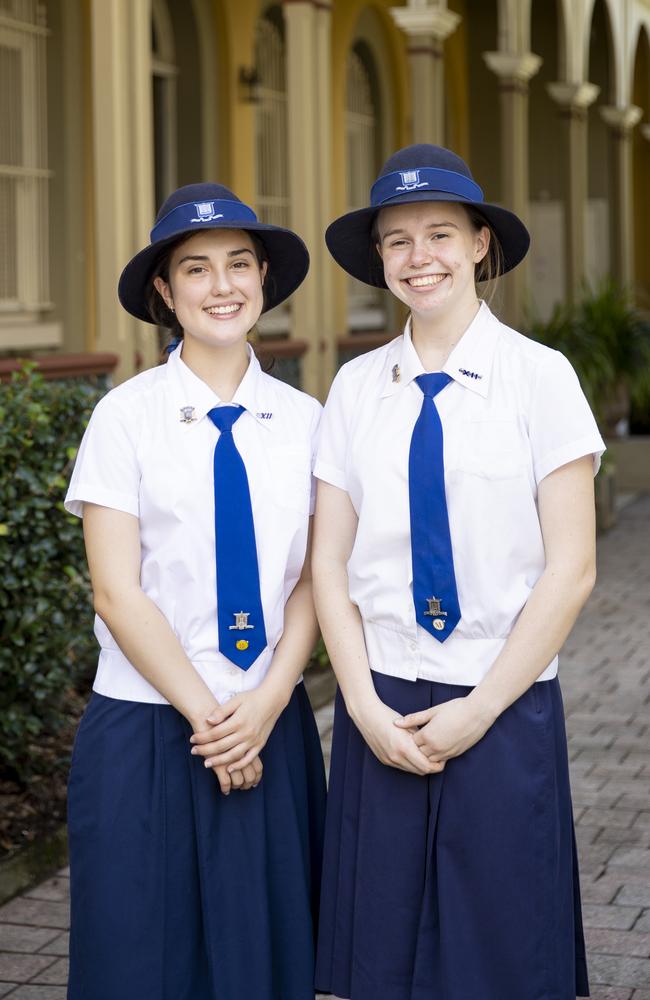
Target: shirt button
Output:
[
  {"x": 413, "y": 646},
  {"x": 230, "y": 694},
  {"x": 233, "y": 671}
]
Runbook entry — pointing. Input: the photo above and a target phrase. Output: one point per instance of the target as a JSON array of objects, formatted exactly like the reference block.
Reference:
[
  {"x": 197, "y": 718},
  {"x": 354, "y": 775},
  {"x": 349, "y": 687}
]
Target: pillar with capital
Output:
[
  {"x": 514, "y": 70},
  {"x": 426, "y": 29},
  {"x": 620, "y": 122},
  {"x": 307, "y": 28},
  {"x": 574, "y": 100}
]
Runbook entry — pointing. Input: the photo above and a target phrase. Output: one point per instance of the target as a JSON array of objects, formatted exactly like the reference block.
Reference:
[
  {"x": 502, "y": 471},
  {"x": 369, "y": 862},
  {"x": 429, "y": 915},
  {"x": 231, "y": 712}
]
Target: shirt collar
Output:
[
  {"x": 193, "y": 397},
  {"x": 469, "y": 364}
]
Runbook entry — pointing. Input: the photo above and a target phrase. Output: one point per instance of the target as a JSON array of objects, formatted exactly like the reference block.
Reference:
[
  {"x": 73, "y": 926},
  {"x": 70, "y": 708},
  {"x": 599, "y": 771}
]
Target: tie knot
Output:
[
  {"x": 224, "y": 417},
  {"x": 432, "y": 383}
]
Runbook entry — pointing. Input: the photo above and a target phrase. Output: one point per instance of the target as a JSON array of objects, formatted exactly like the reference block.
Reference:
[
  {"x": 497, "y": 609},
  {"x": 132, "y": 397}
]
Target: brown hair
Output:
[
  {"x": 158, "y": 309},
  {"x": 492, "y": 266}
]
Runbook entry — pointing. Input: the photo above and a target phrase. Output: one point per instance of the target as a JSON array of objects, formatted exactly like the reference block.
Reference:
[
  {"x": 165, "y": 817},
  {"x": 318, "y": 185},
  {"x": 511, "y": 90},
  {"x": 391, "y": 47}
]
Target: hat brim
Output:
[
  {"x": 349, "y": 240},
  {"x": 288, "y": 265}
]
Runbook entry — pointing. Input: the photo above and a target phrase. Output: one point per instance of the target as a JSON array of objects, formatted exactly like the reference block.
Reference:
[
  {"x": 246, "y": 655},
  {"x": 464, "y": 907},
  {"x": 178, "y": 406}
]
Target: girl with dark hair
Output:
[
  {"x": 197, "y": 785},
  {"x": 454, "y": 547}
]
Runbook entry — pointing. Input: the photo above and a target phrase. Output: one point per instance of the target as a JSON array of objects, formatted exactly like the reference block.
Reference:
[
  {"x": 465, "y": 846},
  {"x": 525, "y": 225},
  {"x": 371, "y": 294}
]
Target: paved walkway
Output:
[{"x": 606, "y": 680}]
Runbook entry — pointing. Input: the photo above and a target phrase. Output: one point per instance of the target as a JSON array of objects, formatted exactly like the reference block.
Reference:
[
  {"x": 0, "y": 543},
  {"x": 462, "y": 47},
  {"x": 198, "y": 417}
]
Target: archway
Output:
[
  {"x": 363, "y": 130},
  {"x": 481, "y": 18},
  {"x": 600, "y": 71},
  {"x": 547, "y": 268}
]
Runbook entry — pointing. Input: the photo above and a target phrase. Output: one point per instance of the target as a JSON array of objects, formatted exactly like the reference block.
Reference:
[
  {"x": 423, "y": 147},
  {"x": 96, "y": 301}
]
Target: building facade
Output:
[{"x": 108, "y": 105}]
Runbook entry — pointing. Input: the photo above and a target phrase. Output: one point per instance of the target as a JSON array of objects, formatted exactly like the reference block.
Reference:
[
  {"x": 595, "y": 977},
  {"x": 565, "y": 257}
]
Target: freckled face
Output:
[
  {"x": 215, "y": 286},
  {"x": 430, "y": 250}
]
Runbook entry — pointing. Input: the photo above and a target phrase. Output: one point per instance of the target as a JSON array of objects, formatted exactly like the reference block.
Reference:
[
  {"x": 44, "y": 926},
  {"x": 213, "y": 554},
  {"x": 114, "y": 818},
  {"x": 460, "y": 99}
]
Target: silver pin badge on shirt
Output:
[
  {"x": 396, "y": 373},
  {"x": 187, "y": 415}
]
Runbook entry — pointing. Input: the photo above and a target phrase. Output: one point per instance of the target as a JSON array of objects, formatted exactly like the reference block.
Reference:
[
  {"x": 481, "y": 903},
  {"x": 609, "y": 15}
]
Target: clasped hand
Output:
[
  {"x": 235, "y": 734},
  {"x": 447, "y": 730}
]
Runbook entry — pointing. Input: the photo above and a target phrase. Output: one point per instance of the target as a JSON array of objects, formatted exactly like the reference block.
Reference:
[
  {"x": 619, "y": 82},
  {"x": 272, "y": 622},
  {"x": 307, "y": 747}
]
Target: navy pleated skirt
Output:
[
  {"x": 181, "y": 893},
  {"x": 462, "y": 885}
]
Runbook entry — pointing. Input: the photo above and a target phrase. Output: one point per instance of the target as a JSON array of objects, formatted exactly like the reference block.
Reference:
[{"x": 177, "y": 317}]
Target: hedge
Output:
[{"x": 46, "y": 639}]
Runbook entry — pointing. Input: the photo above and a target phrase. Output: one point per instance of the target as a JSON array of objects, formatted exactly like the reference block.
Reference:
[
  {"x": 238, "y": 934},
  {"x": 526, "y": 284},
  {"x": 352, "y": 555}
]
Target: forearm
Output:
[
  {"x": 540, "y": 632},
  {"x": 294, "y": 648},
  {"x": 147, "y": 640},
  {"x": 342, "y": 630}
]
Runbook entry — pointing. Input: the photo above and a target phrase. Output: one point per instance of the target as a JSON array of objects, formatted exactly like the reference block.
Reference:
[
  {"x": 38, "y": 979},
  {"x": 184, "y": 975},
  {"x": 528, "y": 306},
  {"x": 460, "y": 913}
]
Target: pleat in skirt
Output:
[
  {"x": 458, "y": 886},
  {"x": 181, "y": 893}
]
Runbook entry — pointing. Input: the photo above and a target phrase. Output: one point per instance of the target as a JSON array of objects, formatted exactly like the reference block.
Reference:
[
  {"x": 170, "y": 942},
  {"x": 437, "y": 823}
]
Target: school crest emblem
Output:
[
  {"x": 435, "y": 610},
  {"x": 205, "y": 212},
  {"x": 241, "y": 623},
  {"x": 411, "y": 180},
  {"x": 187, "y": 415}
]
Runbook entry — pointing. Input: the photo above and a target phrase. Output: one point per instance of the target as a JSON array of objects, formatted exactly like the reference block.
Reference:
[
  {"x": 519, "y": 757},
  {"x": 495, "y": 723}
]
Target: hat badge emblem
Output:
[
  {"x": 411, "y": 180},
  {"x": 205, "y": 212}
]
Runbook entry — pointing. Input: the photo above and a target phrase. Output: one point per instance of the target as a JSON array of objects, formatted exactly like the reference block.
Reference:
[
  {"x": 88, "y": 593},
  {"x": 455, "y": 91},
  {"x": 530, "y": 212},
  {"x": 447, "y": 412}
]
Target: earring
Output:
[{"x": 171, "y": 309}]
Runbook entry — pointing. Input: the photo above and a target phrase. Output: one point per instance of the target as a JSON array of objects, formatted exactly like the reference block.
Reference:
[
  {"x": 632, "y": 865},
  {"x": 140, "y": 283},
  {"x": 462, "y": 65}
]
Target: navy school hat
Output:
[
  {"x": 212, "y": 206},
  {"x": 422, "y": 172}
]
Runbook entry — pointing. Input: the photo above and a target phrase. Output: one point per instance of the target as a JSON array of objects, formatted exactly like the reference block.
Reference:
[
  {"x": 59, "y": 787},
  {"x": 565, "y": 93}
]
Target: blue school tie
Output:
[
  {"x": 242, "y": 635},
  {"x": 434, "y": 582}
]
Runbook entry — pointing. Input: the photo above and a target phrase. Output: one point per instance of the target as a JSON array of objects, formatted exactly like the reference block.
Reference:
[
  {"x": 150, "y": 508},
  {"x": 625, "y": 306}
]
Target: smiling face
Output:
[
  {"x": 215, "y": 286},
  {"x": 429, "y": 250}
]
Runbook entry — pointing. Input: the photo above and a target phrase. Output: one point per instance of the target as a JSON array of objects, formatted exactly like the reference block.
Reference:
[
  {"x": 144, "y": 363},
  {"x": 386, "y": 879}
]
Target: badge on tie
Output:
[
  {"x": 242, "y": 634},
  {"x": 435, "y": 596}
]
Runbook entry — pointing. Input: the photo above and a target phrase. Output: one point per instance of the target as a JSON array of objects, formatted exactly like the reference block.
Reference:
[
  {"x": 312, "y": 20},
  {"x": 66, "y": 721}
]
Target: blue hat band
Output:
[
  {"x": 197, "y": 213},
  {"x": 423, "y": 179}
]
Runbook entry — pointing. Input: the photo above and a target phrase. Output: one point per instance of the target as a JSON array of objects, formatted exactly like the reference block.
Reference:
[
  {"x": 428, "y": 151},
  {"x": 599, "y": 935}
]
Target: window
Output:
[
  {"x": 272, "y": 180},
  {"x": 24, "y": 177},
  {"x": 272, "y": 195},
  {"x": 365, "y": 306},
  {"x": 165, "y": 72}
]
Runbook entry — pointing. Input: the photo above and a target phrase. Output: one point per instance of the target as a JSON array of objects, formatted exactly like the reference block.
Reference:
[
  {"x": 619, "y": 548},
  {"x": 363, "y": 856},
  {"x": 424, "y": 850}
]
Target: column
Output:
[
  {"x": 426, "y": 29},
  {"x": 574, "y": 100},
  {"x": 324, "y": 264},
  {"x": 142, "y": 208},
  {"x": 620, "y": 122},
  {"x": 307, "y": 41},
  {"x": 514, "y": 70},
  {"x": 123, "y": 175}
]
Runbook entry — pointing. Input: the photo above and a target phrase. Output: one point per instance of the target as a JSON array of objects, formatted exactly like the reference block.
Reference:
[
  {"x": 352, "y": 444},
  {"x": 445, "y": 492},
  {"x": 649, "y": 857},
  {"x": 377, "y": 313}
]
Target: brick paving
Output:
[{"x": 606, "y": 681}]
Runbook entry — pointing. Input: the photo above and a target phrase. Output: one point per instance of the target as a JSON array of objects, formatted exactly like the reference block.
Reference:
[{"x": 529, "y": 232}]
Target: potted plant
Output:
[{"x": 607, "y": 341}]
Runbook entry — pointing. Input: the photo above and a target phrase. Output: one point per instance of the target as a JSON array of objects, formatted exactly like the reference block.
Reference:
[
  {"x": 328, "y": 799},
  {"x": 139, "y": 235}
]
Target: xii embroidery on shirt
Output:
[
  {"x": 264, "y": 416},
  {"x": 464, "y": 371}
]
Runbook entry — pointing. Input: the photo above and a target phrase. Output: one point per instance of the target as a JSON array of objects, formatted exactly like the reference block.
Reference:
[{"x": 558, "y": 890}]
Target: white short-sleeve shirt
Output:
[
  {"x": 513, "y": 413},
  {"x": 148, "y": 450}
]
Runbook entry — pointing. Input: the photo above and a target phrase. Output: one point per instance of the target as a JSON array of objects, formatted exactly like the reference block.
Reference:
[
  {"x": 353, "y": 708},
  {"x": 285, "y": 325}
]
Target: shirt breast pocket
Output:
[
  {"x": 290, "y": 467},
  {"x": 491, "y": 449}
]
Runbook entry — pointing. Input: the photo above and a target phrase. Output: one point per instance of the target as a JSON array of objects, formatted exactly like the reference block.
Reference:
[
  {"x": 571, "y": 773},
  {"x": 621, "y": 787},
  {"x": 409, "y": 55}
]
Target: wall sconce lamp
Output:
[{"x": 249, "y": 82}]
